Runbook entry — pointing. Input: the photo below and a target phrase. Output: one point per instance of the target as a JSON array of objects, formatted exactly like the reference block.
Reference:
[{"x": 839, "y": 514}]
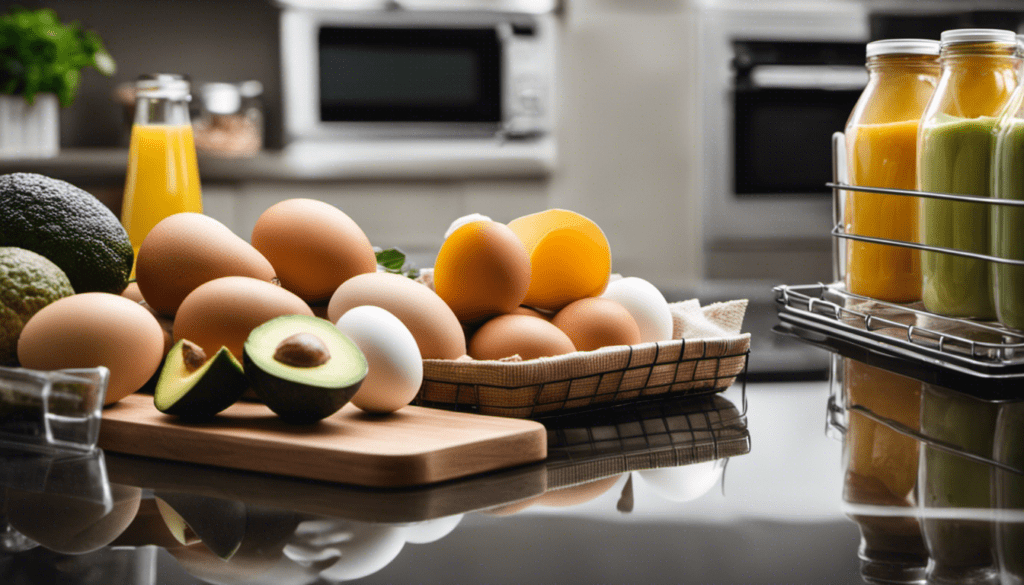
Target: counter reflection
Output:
[
  {"x": 934, "y": 478},
  {"x": 102, "y": 519}
]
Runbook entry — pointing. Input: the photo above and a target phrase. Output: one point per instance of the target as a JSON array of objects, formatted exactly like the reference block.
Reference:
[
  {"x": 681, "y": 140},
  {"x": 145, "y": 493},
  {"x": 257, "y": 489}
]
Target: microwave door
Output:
[{"x": 377, "y": 80}]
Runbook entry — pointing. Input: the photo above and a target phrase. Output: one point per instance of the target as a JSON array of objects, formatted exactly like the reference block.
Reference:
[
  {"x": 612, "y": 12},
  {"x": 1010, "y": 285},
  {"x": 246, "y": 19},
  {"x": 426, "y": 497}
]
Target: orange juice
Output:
[
  {"x": 883, "y": 155},
  {"x": 163, "y": 178}
]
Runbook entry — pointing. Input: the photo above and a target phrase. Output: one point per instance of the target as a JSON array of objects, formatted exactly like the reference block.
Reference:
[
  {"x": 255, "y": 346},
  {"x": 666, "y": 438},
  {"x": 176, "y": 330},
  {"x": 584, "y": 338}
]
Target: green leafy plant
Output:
[{"x": 38, "y": 53}]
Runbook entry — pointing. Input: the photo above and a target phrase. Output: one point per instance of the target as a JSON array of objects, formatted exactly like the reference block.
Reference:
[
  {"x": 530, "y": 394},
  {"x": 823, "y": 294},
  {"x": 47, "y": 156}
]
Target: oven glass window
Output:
[
  {"x": 783, "y": 137},
  {"x": 409, "y": 75}
]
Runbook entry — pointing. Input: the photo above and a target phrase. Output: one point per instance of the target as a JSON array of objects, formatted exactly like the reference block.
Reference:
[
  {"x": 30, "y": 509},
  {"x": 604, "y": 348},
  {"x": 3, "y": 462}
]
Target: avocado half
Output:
[
  {"x": 189, "y": 389},
  {"x": 300, "y": 379}
]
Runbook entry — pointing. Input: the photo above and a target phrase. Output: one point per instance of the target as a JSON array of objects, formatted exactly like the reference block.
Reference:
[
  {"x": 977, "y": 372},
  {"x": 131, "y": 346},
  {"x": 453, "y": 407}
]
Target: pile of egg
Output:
[{"x": 537, "y": 286}]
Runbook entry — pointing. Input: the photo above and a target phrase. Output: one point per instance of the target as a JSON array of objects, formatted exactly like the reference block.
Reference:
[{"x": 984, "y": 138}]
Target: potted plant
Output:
[{"x": 41, "y": 60}]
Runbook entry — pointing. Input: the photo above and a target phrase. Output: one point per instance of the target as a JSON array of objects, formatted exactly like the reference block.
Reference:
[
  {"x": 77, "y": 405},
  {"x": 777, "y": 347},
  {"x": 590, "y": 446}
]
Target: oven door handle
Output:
[{"x": 826, "y": 77}]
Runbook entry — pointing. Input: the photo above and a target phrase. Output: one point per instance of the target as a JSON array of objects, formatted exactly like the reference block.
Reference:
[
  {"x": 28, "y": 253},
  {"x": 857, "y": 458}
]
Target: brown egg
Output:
[
  {"x": 132, "y": 292},
  {"x": 313, "y": 246},
  {"x": 223, "y": 311},
  {"x": 521, "y": 310},
  {"x": 597, "y": 322},
  {"x": 95, "y": 329},
  {"x": 483, "y": 269},
  {"x": 187, "y": 249},
  {"x": 72, "y": 525},
  {"x": 431, "y": 322},
  {"x": 529, "y": 337}
]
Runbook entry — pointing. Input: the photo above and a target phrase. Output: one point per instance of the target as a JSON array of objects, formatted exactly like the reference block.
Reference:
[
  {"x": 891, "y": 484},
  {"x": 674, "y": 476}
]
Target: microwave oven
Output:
[{"x": 436, "y": 75}]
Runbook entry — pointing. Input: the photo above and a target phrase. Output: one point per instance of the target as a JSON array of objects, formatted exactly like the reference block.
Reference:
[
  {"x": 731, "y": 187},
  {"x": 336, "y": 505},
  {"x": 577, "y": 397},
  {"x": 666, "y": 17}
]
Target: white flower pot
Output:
[{"x": 29, "y": 131}]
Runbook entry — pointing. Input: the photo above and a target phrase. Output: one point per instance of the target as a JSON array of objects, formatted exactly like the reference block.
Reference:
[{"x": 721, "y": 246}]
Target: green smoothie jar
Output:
[
  {"x": 980, "y": 69},
  {"x": 1007, "y": 221}
]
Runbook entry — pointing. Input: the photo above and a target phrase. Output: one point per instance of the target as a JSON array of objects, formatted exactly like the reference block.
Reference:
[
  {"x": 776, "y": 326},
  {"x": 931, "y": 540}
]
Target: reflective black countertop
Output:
[{"x": 761, "y": 484}]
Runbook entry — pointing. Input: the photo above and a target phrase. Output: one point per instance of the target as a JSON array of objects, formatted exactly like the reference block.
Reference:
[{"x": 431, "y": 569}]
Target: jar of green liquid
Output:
[
  {"x": 980, "y": 69},
  {"x": 1008, "y": 222}
]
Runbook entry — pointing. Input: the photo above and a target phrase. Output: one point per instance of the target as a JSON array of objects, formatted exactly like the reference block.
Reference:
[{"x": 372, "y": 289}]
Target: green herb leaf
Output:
[{"x": 393, "y": 260}]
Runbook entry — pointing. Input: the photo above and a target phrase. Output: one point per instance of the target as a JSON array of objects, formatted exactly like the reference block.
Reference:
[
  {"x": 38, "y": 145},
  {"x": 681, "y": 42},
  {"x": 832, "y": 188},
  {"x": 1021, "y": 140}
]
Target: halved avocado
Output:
[
  {"x": 191, "y": 386},
  {"x": 219, "y": 523},
  {"x": 303, "y": 367}
]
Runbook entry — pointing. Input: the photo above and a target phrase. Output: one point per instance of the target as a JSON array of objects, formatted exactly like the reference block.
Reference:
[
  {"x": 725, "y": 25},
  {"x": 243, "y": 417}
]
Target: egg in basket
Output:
[{"x": 517, "y": 319}]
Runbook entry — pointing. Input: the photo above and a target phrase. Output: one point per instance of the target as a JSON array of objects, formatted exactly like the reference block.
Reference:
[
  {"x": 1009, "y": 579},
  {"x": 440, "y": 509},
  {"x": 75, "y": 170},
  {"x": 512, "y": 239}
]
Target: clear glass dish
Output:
[{"x": 52, "y": 410}]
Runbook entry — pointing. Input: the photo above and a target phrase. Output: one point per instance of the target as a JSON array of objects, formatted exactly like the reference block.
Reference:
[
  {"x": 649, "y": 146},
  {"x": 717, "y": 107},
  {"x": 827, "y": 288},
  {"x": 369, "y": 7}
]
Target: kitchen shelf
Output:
[{"x": 411, "y": 161}]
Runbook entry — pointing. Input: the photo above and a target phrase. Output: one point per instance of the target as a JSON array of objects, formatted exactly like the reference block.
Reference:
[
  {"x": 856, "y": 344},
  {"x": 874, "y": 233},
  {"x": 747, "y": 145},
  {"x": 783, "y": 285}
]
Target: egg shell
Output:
[
  {"x": 529, "y": 337},
  {"x": 597, "y": 322},
  {"x": 186, "y": 250},
  {"x": 95, "y": 329},
  {"x": 313, "y": 246},
  {"x": 483, "y": 269},
  {"x": 521, "y": 310},
  {"x": 432, "y": 323},
  {"x": 224, "y": 311},
  {"x": 395, "y": 365},
  {"x": 646, "y": 304},
  {"x": 570, "y": 257}
]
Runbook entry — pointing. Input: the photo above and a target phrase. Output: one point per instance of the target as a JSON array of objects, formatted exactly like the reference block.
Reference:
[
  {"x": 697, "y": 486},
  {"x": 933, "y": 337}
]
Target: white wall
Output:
[{"x": 629, "y": 136}]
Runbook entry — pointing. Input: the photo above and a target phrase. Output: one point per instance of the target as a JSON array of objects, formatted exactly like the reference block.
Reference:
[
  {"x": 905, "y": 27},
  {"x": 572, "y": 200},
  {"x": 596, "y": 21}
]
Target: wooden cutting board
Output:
[{"x": 414, "y": 446}]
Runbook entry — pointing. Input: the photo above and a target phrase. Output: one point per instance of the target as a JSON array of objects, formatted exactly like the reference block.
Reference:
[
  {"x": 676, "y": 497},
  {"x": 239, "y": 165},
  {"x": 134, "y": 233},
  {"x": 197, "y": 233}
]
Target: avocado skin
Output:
[
  {"x": 68, "y": 226},
  {"x": 218, "y": 388},
  {"x": 294, "y": 401}
]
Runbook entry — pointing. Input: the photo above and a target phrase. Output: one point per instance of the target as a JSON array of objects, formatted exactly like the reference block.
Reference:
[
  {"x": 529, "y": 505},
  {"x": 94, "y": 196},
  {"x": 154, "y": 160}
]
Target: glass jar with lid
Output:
[
  {"x": 881, "y": 151},
  {"x": 980, "y": 69},
  {"x": 1007, "y": 223}
]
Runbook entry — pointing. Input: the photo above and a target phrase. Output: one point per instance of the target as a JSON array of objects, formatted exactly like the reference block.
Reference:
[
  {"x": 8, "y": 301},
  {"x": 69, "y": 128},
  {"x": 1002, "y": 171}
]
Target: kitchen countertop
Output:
[
  {"x": 423, "y": 161},
  {"x": 776, "y": 519},
  {"x": 770, "y": 505}
]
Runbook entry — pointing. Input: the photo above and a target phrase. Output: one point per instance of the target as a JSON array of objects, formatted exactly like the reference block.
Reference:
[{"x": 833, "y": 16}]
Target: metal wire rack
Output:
[{"x": 945, "y": 350}]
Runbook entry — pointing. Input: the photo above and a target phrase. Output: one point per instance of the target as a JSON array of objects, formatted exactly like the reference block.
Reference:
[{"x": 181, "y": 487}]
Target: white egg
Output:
[
  {"x": 394, "y": 359},
  {"x": 646, "y": 304},
  {"x": 431, "y": 530},
  {"x": 685, "y": 483},
  {"x": 463, "y": 221}
]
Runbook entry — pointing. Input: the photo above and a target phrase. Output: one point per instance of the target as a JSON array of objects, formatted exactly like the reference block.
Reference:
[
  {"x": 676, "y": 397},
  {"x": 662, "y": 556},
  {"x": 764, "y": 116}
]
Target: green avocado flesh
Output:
[
  {"x": 303, "y": 394},
  {"x": 209, "y": 389}
]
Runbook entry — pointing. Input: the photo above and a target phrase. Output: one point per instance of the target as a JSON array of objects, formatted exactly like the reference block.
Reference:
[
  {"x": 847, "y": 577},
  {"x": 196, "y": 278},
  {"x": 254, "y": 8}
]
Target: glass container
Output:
[
  {"x": 58, "y": 409},
  {"x": 1007, "y": 222},
  {"x": 979, "y": 72},
  {"x": 881, "y": 151},
  {"x": 163, "y": 177}
]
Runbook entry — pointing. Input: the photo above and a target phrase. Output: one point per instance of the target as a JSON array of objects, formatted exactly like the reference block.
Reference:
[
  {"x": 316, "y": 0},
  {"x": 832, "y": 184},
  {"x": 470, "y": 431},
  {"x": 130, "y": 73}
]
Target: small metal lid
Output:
[
  {"x": 163, "y": 85},
  {"x": 978, "y": 35},
  {"x": 902, "y": 47}
]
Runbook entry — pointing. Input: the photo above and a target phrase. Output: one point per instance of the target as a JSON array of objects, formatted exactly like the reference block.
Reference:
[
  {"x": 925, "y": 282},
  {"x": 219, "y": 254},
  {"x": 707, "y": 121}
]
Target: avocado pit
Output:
[
  {"x": 193, "y": 356},
  {"x": 302, "y": 350}
]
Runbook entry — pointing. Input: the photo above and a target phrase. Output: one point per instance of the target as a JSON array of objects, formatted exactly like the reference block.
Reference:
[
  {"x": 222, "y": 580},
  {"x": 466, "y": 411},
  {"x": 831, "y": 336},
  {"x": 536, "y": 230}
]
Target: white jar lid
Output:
[
  {"x": 978, "y": 35},
  {"x": 903, "y": 46}
]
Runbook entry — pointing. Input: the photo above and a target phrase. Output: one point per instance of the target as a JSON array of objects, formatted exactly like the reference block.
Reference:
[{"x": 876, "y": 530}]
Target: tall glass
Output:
[
  {"x": 979, "y": 72},
  {"x": 163, "y": 177},
  {"x": 881, "y": 151}
]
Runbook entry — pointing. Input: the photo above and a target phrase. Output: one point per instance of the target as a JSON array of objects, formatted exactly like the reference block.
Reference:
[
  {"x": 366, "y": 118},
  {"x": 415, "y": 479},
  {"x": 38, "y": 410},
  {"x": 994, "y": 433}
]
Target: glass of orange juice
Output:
[{"x": 163, "y": 178}]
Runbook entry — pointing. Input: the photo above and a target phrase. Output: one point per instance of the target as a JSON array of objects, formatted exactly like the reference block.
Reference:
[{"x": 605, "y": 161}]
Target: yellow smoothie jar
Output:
[{"x": 881, "y": 151}]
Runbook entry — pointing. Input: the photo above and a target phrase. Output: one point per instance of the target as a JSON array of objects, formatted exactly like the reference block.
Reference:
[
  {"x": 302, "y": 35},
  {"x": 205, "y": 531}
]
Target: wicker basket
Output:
[{"x": 686, "y": 365}]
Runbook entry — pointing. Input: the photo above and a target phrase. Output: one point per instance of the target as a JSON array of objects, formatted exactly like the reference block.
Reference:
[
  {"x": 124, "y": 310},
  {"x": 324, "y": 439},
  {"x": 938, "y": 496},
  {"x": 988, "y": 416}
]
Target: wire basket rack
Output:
[{"x": 905, "y": 338}]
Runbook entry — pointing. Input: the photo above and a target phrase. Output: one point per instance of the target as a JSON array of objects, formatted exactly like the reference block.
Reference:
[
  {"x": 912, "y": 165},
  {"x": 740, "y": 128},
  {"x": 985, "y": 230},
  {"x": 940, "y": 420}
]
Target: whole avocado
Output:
[
  {"x": 28, "y": 282},
  {"x": 70, "y": 227}
]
